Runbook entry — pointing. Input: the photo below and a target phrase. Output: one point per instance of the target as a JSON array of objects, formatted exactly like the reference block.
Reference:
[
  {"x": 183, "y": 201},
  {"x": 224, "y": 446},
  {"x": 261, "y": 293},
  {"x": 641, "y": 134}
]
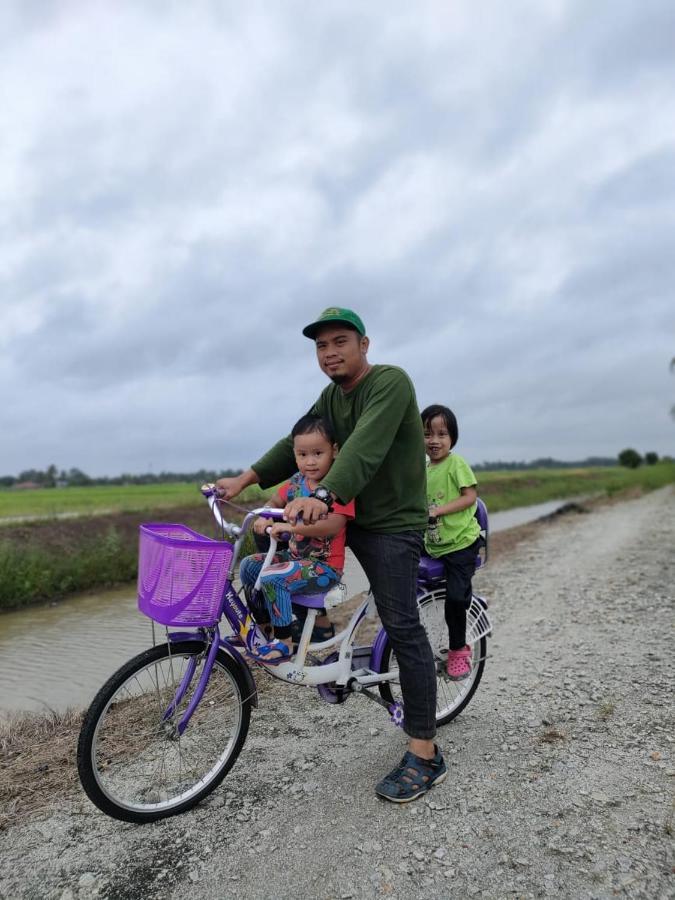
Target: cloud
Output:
[{"x": 183, "y": 189}]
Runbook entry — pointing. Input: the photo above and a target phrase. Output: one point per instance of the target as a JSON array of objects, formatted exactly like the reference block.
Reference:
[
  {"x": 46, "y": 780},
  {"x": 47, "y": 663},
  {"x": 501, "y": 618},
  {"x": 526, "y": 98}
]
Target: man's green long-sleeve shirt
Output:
[{"x": 381, "y": 459}]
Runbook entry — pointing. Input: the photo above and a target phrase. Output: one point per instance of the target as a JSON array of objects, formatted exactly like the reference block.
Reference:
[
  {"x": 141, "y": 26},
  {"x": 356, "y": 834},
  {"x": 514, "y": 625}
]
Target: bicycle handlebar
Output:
[{"x": 234, "y": 531}]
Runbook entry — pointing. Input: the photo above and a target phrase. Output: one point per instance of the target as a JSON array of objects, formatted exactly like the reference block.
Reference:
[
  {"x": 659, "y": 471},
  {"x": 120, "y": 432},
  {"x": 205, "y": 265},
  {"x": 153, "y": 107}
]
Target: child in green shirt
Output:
[{"x": 453, "y": 534}]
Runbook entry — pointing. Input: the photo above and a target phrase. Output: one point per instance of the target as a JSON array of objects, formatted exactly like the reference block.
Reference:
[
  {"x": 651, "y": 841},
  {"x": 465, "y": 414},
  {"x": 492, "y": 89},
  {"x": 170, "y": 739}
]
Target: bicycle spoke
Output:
[
  {"x": 451, "y": 696},
  {"x": 139, "y": 758}
]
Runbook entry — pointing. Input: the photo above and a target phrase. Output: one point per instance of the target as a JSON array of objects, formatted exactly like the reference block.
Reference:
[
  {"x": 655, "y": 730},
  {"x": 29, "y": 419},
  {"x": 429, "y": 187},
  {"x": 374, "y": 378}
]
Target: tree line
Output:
[
  {"x": 52, "y": 477},
  {"x": 546, "y": 462}
]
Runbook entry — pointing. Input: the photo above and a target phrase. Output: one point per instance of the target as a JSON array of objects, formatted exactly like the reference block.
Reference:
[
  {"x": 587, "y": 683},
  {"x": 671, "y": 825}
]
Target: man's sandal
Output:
[
  {"x": 263, "y": 653},
  {"x": 413, "y": 777}
]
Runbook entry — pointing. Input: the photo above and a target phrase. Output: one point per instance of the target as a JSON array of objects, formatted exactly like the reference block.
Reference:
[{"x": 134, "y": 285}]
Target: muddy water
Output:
[{"x": 58, "y": 656}]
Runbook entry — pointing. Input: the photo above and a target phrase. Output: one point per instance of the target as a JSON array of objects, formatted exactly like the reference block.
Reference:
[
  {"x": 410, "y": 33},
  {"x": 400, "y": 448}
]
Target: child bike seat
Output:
[
  {"x": 431, "y": 569},
  {"x": 331, "y": 598},
  {"x": 312, "y": 601}
]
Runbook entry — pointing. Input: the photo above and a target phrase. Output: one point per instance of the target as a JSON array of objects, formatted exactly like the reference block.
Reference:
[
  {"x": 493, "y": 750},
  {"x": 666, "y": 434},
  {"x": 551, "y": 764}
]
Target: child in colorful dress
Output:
[
  {"x": 453, "y": 534},
  {"x": 315, "y": 557}
]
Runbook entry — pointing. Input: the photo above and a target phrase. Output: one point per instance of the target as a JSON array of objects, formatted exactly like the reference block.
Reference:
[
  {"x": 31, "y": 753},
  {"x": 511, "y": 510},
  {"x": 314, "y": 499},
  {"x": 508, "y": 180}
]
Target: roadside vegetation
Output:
[
  {"x": 46, "y": 559},
  {"x": 45, "y": 556},
  {"x": 506, "y": 490}
]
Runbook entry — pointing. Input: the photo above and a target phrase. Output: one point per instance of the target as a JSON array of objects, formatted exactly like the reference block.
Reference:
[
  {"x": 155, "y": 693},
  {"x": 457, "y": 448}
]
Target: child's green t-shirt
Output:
[{"x": 456, "y": 530}]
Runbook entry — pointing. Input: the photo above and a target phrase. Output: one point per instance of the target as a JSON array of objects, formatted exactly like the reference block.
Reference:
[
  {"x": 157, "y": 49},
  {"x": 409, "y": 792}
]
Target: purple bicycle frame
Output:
[{"x": 242, "y": 624}]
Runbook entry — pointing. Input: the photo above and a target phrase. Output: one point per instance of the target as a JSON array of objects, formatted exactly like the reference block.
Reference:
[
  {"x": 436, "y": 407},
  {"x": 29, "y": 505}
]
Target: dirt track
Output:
[{"x": 562, "y": 767}]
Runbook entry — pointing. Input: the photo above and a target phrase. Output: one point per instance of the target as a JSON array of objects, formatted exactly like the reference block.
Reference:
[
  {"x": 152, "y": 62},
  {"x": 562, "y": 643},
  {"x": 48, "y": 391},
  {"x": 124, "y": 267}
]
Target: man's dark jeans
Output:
[{"x": 390, "y": 562}]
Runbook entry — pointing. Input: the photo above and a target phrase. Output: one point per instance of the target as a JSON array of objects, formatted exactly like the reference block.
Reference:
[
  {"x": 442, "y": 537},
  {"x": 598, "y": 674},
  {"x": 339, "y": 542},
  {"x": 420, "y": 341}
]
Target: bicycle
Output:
[{"x": 166, "y": 728}]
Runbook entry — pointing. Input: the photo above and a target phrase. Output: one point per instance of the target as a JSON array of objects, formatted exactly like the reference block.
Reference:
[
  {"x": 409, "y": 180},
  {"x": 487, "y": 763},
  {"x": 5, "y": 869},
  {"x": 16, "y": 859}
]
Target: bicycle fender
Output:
[
  {"x": 176, "y": 636},
  {"x": 232, "y": 652}
]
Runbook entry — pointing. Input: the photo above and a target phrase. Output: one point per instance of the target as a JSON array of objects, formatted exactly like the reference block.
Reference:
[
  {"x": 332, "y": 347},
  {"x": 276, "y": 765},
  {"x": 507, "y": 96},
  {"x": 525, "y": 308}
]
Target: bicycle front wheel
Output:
[
  {"x": 132, "y": 762},
  {"x": 451, "y": 696}
]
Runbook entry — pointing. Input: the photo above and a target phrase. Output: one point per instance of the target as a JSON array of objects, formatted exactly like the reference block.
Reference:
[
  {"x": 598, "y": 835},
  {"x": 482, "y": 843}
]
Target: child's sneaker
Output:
[{"x": 459, "y": 663}]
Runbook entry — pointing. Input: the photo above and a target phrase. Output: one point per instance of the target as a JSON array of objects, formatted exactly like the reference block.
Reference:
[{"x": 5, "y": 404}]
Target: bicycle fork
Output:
[{"x": 186, "y": 680}]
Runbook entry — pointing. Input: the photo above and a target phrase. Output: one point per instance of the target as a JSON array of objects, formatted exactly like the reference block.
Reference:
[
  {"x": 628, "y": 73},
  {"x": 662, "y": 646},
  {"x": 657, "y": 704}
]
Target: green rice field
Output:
[
  {"x": 97, "y": 500},
  {"x": 500, "y": 489},
  {"x": 58, "y": 541}
]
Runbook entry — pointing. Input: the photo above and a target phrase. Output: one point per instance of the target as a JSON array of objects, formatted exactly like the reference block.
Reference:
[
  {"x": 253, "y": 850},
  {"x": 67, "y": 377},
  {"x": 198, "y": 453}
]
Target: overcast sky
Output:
[{"x": 184, "y": 186}]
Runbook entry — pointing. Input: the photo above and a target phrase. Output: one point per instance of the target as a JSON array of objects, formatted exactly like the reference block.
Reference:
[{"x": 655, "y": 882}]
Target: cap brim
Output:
[{"x": 311, "y": 330}]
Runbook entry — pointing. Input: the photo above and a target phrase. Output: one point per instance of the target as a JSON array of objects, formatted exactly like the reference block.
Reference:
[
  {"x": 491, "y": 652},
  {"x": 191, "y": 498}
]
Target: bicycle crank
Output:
[{"x": 395, "y": 710}]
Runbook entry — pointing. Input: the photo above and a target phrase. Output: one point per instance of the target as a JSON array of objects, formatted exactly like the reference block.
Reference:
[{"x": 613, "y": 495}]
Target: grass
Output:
[
  {"x": 501, "y": 490},
  {"x": 552, "y": 735},
  {"x": 31, "y": 571},
  {"x": 100, "y": 500},
  {"x": 36, "y": 761},
  {"x": 669, "y": 824},
  {"x": 506, "y": 490},
  {"x": 43, "y": 558}
]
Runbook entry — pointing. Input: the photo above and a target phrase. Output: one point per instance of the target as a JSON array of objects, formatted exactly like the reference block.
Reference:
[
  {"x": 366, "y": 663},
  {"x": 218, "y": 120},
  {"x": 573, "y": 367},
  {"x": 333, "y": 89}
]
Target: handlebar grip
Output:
[{"x": 284, "y": 536}]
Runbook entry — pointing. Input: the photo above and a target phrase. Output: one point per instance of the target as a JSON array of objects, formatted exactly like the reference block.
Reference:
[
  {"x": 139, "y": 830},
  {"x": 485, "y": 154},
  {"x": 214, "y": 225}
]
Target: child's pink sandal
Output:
[{"x": 459, "y": 663}]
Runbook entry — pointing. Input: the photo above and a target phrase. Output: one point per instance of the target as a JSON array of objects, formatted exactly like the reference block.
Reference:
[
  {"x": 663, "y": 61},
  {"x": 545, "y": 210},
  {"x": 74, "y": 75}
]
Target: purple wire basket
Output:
[{"x": 181, "y": 575}]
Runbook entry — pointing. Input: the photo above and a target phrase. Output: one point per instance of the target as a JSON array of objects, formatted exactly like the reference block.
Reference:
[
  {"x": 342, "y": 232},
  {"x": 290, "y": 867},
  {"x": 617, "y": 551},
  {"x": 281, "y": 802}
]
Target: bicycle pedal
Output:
[{"x": 396, "y": 714}]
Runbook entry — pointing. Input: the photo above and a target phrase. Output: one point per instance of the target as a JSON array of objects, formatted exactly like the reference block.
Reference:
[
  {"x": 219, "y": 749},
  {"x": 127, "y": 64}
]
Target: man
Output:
[{"x": 381, "y": 464}]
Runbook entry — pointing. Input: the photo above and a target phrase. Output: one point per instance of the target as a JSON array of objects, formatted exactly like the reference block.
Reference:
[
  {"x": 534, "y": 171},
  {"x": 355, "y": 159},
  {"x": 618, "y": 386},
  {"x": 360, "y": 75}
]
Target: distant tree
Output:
[
  {"x": 630, "y": 458},
  {"x": 651, "y": 458},
  {"x": 77, "y": 478},
  {"x": 35, "y": 475}
]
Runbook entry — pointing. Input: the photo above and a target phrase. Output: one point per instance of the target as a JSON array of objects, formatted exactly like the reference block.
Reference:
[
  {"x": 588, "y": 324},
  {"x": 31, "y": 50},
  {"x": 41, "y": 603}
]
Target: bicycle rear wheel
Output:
[
  {"x": 132, "y": 763},
  {"x": 451, "y": 696}
]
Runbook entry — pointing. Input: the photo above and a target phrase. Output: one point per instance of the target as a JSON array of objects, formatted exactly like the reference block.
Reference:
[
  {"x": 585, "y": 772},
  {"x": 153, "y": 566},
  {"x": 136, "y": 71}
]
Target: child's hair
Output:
[
  {"x": 448, "y": 416},
  {"x": 309, "y": 424}
]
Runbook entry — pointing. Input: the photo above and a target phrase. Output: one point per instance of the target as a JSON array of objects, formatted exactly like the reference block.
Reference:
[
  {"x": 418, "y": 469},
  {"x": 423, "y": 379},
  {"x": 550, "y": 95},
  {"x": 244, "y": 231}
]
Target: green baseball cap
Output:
[{"x": 335, "y": 314}]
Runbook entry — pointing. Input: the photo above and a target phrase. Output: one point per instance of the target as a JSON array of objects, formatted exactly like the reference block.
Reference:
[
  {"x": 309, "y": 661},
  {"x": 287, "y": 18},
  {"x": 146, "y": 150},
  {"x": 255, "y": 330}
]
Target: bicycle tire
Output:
[
  {"x": 131, "y": 763},
  {"x": 452, "y": 696}
]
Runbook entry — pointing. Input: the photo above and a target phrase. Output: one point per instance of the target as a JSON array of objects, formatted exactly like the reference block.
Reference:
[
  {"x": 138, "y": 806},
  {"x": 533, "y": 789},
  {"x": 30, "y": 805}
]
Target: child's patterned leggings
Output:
[{"x": 285, "y": 578}]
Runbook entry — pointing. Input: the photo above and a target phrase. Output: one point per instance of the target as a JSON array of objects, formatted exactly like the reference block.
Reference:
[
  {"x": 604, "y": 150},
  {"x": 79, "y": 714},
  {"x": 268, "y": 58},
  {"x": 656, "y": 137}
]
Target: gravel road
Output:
[{"x": 561, "y": 769}]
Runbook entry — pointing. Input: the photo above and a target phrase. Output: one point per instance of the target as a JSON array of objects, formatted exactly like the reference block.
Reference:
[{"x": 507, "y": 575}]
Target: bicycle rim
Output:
[
  {"x": 133, "y": 763},
  {"x": 451, "y": 696}
]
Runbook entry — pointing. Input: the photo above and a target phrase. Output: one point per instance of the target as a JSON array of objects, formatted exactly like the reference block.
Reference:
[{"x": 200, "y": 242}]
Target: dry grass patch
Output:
[
  {"x": 552, "y": 735},
  {"x": 606, "y": 710},
  {"x": 37, "y": 761}
]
